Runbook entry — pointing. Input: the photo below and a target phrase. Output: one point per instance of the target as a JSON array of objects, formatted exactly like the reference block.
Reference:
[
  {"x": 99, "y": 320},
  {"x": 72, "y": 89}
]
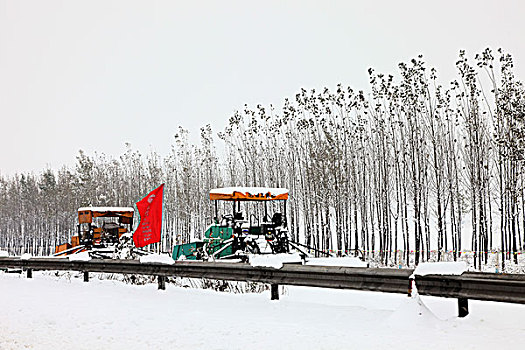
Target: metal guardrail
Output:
[
  {"x": 509, "y": 288},
  {"x": 470, "y": 285},
  {"x": 380, "y": 280}
]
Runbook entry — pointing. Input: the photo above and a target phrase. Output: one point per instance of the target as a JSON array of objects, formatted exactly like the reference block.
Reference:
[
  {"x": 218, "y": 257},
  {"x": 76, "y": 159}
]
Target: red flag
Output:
[{"x": 150, "y": 210}]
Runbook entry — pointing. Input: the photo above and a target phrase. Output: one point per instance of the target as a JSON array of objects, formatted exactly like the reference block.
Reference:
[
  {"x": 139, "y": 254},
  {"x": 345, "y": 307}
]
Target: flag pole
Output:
[{"x": 161, "y": 220}]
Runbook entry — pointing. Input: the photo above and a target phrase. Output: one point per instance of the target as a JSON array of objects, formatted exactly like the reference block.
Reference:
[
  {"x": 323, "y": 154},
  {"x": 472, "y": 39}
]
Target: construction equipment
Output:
[
  {"x": 234, "y": 235},
  {"x": 99, "y": 230}
]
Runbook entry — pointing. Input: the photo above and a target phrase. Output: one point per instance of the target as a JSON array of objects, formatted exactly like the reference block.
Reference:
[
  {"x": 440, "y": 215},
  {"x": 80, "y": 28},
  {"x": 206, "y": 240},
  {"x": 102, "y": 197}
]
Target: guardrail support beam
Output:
[
  {"x": 462, "y": 307},
  {"x": 274, "y": 289},
  {"x": 86, "y": 276},
  {"x": 162, "y": 282},
  {"x": 29, "y": 273}
]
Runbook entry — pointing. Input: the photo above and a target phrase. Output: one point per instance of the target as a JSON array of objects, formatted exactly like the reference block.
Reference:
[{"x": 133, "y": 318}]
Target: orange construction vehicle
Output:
[{"x": 98, "y": 228}]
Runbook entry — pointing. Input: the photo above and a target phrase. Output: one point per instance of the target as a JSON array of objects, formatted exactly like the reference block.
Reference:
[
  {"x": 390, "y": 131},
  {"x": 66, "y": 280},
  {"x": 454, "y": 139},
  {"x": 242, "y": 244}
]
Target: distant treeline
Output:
[{"x": 395, "y": 170}]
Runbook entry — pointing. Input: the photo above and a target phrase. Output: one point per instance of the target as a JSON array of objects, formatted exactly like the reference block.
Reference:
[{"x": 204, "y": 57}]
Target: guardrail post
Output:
[
  {"x": 462, "y": 307},
  {"x": 162, "y": 282},
  {"x": 274, "y": 289},
  {"x": 86, "y": 276},
  {"x": 29, "y": 273},
  {"x": 303, "y": 258},
  {"x": 410, "y": 281}
]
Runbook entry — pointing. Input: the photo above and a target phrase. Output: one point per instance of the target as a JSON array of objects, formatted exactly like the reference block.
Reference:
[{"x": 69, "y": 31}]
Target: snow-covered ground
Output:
[{"x": 51, "y": 313}]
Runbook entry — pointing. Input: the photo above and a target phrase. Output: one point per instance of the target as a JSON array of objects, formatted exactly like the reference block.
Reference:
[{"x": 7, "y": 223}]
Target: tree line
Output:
[{"x": 410, "y": 171}]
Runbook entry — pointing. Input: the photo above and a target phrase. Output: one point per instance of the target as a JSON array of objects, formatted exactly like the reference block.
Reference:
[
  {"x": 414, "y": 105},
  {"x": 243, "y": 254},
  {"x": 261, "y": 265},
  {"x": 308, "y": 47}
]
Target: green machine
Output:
[
  {"x": 216, "y": 240},
  {"x": 233, "y": 236},
  {"x": 190, "y": 251}
]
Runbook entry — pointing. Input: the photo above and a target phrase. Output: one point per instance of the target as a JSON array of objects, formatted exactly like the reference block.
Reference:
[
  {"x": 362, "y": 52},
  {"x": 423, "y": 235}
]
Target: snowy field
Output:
[{"x": 51, "y": 313}]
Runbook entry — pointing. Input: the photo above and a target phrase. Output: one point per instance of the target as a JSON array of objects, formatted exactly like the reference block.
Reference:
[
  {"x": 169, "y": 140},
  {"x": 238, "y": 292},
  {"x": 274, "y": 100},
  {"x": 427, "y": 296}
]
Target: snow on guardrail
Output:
[
  {"x": 441, "y": 268},
  {"x": 344, "y": 262},
  {"x": 82, "y": 256},
  {"x": 157, "y": 258},
  {"x": 274, "y": 260}
]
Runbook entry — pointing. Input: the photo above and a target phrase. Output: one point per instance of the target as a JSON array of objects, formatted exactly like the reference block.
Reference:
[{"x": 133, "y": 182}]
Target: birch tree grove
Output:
[{"x": 410, "y": 171}]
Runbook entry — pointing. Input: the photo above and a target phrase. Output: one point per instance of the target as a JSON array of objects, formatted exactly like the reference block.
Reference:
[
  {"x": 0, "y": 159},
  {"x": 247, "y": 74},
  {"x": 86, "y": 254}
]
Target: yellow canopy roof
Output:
[
  {"x": 249, "y": 194},
  {"x": 86, "y": 214}
]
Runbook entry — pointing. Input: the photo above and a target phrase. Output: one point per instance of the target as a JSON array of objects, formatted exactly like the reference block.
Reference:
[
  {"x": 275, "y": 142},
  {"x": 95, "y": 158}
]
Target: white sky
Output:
[{"x": 94, "y": 75}]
